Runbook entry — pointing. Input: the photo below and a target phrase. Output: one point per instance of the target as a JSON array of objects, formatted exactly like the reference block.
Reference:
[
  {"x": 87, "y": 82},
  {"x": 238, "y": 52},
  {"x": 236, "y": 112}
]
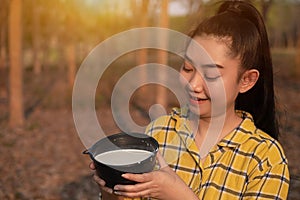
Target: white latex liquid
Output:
[{"x": 123, "y": 156}]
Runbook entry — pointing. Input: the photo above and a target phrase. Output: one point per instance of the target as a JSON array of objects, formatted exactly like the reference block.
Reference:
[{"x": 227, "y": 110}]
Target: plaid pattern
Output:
[{"x": 246, "y": 164}]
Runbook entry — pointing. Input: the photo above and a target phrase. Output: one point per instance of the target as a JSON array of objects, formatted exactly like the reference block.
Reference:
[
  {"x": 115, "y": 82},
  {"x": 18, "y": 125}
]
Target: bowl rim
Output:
[{"x": 116, "y": 135}]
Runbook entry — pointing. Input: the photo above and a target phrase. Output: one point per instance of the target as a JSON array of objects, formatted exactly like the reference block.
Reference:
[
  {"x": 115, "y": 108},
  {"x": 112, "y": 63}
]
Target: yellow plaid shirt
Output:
[{"x": 246, "y": 164}]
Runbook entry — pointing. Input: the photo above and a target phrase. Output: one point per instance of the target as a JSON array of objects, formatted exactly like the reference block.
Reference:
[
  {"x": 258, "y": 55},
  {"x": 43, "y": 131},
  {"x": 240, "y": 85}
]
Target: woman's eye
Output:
[
  {"x": 212, "y": 75},
  {"x": 211, "y": 78},
  {"x": 186, "y": 68}
]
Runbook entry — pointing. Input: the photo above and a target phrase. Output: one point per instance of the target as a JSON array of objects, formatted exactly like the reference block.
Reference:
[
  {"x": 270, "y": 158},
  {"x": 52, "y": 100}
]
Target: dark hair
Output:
[{"x": 242, "y": 23}]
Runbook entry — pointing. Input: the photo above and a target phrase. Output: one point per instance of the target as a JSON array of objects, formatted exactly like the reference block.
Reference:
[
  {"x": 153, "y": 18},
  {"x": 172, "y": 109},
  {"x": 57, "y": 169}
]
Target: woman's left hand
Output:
[{"x": 160, "y": 184}]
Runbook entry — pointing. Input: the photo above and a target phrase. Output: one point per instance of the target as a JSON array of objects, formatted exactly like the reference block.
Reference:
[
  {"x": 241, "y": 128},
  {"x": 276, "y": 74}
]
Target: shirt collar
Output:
[
  {"x": 180, "y": 115},
  {"x": 235, "y": 138},
  {"x": 183, "y": 128},
  {"x": 184, "y": 131}
]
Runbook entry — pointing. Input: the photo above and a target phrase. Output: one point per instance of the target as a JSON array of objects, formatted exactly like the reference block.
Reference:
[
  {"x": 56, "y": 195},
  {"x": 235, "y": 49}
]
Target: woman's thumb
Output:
[{"x": 161, "y": 161}]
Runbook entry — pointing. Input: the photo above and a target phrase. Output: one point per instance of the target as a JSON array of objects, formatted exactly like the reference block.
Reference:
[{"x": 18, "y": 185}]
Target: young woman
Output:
[{"x": 246, "y": 162}]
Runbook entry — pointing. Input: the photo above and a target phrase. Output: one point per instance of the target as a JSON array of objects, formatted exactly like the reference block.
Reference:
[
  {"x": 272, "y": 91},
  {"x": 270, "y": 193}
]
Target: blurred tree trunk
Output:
[
  {"x": 3, "y": 32},
  {"x": 3, "y": 63},
  {"x": 265, "y": 7},
  {"x": 16, "y": 111},
  {"x": 143, "y": 16},
  {"x": 3, "y": 55},
  {"x": 3, "y": 50},
  {"x": 162, "y": 55},
  {"x": 71, "y": 61},
  {"x": 140, "y": 14},
  {"x": 298, "y": 57},
  {"x": 37, "y": 65},
  {"x": 70, "y": 41}
]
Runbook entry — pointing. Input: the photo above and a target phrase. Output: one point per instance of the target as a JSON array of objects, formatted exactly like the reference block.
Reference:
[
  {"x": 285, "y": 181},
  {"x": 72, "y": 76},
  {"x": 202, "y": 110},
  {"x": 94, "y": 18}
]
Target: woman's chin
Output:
[{"x": 200, "y": 112}]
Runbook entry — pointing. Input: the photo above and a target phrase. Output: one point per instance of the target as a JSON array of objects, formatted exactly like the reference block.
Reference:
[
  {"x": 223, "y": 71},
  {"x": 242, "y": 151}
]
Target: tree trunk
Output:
[
  {"x": 16, "y": 111},
  {"x": 162, "y": 56},
  {"x": 3, "y": 63},
  {"x": 37, "y": 65},
  {"x": 71, "y": 61},
  {"x": 298, "y": 57},
  {"x": 142, "y": 54},
  {"x": 265, "y": 7},
  {"x": 3, "y": 55}
]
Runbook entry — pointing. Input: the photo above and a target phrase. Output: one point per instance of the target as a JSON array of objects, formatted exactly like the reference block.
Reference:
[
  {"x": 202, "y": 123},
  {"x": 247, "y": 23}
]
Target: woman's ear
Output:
[{"x": 248, "y": 80}]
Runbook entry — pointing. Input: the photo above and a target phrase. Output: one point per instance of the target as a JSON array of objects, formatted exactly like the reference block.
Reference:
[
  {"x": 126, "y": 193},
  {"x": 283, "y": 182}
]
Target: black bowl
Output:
[{"x": 111, "y": 173}]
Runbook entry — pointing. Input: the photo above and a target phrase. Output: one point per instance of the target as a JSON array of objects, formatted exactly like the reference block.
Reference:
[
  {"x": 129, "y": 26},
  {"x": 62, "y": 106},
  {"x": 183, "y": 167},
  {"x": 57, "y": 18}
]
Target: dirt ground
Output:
[{"x": 43, "y": 160}]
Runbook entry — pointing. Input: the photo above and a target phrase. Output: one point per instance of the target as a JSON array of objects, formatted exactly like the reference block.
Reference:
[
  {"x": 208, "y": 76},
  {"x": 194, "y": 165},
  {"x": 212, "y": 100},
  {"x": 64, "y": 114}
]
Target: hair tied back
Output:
[{"x": 234, "y": 10}]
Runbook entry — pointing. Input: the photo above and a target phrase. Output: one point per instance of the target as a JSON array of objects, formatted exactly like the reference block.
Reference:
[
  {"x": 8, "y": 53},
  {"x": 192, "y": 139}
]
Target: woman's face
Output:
[{"x": 211, "y": 82}]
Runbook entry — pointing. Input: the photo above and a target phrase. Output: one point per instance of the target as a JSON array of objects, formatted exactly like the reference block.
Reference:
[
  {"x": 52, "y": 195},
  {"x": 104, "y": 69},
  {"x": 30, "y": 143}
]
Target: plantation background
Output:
[{"x": 43, "y": 44}]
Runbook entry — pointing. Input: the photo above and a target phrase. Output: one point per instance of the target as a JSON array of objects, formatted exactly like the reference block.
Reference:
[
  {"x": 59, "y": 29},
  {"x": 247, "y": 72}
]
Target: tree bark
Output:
[
  {"x": 142, "y": 54},
  {"x": 71, "y": 59},
  {"x": 37, "y": 65},
  {"x": 71, "y": 42},
  {"x": 16, "y": 111},
  {"x": 162, "y": 56},
  {"x": 3, "y": 54},
  {"x": 298, "y": 57},
  {"x": 3, "y": 63},
  {"x": 143, "y": 14}
]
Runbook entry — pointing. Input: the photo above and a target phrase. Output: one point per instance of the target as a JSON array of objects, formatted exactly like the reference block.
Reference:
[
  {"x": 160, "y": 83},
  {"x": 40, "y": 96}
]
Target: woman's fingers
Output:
[
  {"x": 143, "y": 193},
  {"x": 92, "y": 166},
  {"x": 133, "y": 188},
  {"x": 145, "y": 187},
  {"x": 138, "y": 177},
  {"x": 98, "y": 180},
  {"x": 144, "y": 182},
  {"x": 137, "y": 190},
  {"x": 161, "y": 161},
  {"x": 108, "y": 190},
  {"x": 101, "y": 183}
]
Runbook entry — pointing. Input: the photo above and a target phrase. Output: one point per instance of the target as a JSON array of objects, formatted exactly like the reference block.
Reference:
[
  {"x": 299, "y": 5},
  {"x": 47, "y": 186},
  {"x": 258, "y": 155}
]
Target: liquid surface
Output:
[{"x": 123, "y": 156}]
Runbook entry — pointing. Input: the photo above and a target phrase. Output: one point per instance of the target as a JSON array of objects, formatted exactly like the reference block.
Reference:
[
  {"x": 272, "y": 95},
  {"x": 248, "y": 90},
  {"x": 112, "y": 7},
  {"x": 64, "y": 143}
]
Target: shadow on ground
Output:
[{"x": 82, "y": 189}]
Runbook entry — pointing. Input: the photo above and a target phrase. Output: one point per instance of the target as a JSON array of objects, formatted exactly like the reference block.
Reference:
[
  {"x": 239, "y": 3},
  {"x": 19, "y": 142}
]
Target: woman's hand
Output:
[
  {"x": 160, "y": 184},
  {"x": 106, "y": 192}
]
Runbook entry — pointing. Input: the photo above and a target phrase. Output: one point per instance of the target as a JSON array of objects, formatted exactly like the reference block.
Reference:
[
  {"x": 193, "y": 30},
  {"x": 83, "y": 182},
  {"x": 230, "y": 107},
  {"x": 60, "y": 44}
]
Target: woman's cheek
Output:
[
  {"x": 217, "y": 94},
  {"x": 184, "y": 81}
]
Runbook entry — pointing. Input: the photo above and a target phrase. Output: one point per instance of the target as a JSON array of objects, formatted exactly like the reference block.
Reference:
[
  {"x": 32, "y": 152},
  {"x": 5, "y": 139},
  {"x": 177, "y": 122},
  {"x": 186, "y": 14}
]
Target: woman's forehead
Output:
[
  {"x": 207, "y": 50},
  {"x": 196, "y": 54}
]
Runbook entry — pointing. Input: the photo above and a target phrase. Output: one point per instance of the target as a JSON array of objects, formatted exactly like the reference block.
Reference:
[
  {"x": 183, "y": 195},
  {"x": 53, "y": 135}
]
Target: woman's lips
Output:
[{"x": 197, "y": 100}]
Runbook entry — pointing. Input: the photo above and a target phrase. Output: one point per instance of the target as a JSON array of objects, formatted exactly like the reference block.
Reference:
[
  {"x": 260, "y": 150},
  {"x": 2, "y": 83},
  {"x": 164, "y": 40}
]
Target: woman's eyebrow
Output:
[
  {"x": 189, "y": 59},
  {"x": 213, "y": 66}
]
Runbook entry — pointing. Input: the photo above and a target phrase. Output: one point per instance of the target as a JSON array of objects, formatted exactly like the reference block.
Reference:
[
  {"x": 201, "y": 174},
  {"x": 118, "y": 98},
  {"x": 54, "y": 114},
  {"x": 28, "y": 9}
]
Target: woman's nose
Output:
[{"x": 196, "y": 83}]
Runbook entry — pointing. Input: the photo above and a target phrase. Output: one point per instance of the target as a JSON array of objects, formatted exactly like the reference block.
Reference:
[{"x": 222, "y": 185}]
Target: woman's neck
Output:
[{"x": 209, "y": 131}]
